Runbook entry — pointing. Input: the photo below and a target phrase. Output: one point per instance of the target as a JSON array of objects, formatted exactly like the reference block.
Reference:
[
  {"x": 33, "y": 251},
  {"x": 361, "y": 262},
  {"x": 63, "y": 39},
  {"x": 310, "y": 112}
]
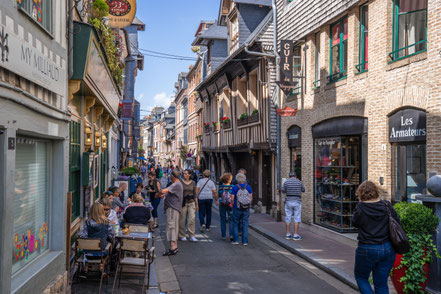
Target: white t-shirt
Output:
[
  {"x": 113, "y": 219},
  {"x": 207, "y": 192}
]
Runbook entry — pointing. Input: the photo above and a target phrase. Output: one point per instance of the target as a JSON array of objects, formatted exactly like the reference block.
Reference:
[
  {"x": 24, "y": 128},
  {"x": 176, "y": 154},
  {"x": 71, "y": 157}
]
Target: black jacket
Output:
[
  {"x": 137, "y": 215},
  {"x": 372, "y": 221}
]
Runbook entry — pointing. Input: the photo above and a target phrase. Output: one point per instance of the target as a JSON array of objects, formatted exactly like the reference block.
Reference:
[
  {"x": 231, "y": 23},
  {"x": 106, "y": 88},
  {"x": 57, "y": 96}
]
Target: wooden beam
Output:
[
  {"x": 90, "y": 102},
  {"x": 74, "y": 87},
  {"x": 98, "y": 111}
]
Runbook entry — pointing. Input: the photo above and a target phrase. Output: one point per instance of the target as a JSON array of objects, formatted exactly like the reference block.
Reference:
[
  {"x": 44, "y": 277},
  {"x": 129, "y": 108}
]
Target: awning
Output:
[{"x": 142, "y": 158}]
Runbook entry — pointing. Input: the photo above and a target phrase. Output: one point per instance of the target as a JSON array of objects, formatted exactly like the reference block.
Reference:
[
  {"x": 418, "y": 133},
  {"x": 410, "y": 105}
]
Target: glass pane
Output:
[
  {"x": 411, "y": 30},
  {"x": 412, "y": 5},
  {"x": 317, "y": 57},
  {"x": 335, "y": 65},
  {"x": 336, "y": 34},
  {"x": 416, "y": 170},
  {"x": 30, "y": 202},
  {"x": 296, "y": 161},
  {"x": 345, "y": 55},
  {"x": 345, "y": 29}
]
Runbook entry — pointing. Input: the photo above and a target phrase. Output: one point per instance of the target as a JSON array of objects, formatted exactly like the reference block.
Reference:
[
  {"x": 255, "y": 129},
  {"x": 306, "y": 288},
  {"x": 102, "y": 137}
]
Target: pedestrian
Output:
[
  {"x": 293, "y": 188},
  {"x": 206, "y": 191},
  {"x": 226, "y": 205},
  {"x": 242, "y": 199},
  {"x": 153, "y": 188},
  {"x": 374, "y": 252},
  {"x": 173, "y": 206},
  {"x": 143, "y": 171},
  {"x": 240, "y": 171},
  {"x": 158, "y": 171},
  {"x": 139, "y": 188},
  {"x": 189, "y": 208}
]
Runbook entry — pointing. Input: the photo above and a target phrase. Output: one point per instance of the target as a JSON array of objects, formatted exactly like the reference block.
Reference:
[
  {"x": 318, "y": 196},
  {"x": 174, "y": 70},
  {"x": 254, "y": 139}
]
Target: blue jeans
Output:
[
  {"x": 225, "y": 211},
  {"x": 155, "y": 204},
  {"x": 241, "y": 215},
  {"x": 377, "y": 259},
  {"x": 205, "y": 212}
]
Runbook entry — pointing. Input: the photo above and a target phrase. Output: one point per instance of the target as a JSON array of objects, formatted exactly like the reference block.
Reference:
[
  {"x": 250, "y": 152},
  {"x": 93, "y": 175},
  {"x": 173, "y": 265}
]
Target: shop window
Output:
[
  {"x": 409, "y": 28},
  {"x": 339, "y": 50},
  {"x": 297, "y": 71},
  {"x": 362, "y": 65},
  {"x": 337, "y": 176},
  {"x": 316, "y": 83},
  {"x": 31, "y": 201},
  {"x": 294, "y": 135},
  {"x": 75, "y": 168},
  {"x": 40, "y": 11}
]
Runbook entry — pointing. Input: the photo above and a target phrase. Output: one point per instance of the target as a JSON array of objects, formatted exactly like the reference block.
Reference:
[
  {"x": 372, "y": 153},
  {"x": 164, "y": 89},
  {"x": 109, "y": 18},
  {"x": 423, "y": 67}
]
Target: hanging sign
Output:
[
  {"x": 287, "y": 111},
  {"x": 121, "y": 12},
  {"x": 407, "y": 125},
  {"x": 286, "y": 61}
]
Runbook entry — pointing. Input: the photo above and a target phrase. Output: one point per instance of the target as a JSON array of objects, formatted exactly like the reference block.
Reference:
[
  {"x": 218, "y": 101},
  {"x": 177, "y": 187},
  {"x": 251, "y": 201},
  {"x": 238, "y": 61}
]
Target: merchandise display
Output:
[{"x": 337, "y": 176}]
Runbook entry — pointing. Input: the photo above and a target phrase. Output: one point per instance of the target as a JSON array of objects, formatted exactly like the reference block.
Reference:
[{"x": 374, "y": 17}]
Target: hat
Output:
[{"x": 292, "y": 174}]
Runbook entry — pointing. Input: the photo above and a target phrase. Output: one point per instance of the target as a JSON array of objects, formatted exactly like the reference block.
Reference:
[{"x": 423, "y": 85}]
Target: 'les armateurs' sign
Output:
[{"x": 121, "y": 12}]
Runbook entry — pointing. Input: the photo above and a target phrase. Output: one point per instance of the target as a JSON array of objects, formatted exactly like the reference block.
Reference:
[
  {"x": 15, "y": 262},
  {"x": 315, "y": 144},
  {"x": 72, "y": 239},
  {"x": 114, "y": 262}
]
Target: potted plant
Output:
[
  {"x": 243, "y": 119},
  {"x": 207, "y": 127},
  {"x": 254, "y": 117},
  {"x": 410, "y": 272},
  {"x": 226, "y": 122},
  {"x": 215, "y": 125}
]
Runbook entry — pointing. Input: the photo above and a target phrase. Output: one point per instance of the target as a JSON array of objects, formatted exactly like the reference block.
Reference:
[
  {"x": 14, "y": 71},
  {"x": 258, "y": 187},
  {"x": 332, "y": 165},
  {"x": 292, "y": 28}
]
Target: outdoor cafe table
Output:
[{"x": 134, "y": 235}]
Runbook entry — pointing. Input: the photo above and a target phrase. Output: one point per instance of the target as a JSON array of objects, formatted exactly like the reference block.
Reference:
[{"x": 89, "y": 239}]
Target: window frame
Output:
[
  {"x": 317, "y": 63},
  {"x": 363, "y": 64},
  {"x": 48, "y": 7},
  {"x": 341, "y": 74},
  {"x": 394, "y": 55},
  {"x": 298, "y": 90}
]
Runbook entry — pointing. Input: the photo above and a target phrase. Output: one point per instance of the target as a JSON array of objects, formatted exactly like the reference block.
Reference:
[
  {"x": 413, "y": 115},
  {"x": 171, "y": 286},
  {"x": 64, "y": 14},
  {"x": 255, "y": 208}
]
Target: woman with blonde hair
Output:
[
  {"x": 137, "y": 212},
  {"x": 98, "y": 226}
]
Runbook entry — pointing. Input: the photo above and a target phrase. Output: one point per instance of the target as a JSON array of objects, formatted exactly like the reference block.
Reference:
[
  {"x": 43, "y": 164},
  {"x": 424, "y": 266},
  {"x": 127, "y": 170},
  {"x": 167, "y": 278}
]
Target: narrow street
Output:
[{"x": 215, "y": 266}]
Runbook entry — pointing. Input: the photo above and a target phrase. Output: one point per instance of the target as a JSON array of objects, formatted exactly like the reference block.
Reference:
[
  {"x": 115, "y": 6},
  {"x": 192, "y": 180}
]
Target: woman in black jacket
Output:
[{"x": 374, "y": 252}]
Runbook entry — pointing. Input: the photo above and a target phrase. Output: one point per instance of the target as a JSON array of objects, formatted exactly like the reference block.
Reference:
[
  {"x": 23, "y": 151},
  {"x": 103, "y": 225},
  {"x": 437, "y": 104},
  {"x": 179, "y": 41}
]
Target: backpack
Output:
[
  {"x": 161, "y": 173},
  {"x": 243, "y": 198},
  {"x": 226, "y": 197}
]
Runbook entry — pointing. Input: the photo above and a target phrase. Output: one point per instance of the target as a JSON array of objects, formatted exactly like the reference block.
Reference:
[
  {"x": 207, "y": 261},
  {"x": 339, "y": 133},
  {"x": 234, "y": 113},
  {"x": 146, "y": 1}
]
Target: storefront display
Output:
[{"x": 294, "y": 135}]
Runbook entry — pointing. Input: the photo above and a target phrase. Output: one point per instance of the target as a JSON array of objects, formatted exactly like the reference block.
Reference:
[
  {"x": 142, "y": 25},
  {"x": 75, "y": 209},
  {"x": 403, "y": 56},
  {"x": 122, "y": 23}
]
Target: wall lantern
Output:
[
  {"x": 88, "y": 139},
  {"x": 104, "y": 139},
  {"x": 97, "y": 139}
]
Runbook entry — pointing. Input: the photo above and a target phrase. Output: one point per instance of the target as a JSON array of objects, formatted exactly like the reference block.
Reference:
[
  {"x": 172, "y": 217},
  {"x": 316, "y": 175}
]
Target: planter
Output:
[
  {"x": 253, "y": 118},
  {"x": 241, "y": 122},
  {"x": 216, "y": 128},
  {"x": 397, "y": 274},
  {"x": 206, "y": 129},
  {"x": 227, "y": 125}
]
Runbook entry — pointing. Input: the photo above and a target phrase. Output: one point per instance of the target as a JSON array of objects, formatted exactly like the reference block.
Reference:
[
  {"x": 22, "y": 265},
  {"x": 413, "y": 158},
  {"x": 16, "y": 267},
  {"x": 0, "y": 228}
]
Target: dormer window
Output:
[{"x": 234, "y": 32}]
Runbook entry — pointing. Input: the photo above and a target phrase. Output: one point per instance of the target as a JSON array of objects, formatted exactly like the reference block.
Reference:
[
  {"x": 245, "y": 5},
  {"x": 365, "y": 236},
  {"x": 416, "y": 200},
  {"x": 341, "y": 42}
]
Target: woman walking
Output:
[
  {"x": 242, "y": 197},
  {"x": 205, "y": 191},
  {"x": 374, "y": 252},
  {"x": 226, "y": 205},
  {"x": 189, "y": 207},
  {"x": 153, "y": 188}
]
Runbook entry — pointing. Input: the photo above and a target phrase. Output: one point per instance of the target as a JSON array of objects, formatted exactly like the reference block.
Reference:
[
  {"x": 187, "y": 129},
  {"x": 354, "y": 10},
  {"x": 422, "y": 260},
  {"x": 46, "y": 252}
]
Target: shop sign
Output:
[
  {"x": 287, "y": 61},
  {"x": 121, "y": 13},
  {"x": 287, "y": 111},
  {"x": 126, "y": 111},
  {"x": 408, "y": 125},
  {"x": 24, "y": 59},
  {"x": 294, "y": 136}
]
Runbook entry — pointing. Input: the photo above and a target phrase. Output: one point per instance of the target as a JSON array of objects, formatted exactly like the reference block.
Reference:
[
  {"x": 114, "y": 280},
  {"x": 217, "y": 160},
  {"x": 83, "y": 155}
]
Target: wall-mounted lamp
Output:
[
  {"x": 97, "y": 139},
  {"x": 104, "y": 139},
  {"x": 88, "y": 139}
]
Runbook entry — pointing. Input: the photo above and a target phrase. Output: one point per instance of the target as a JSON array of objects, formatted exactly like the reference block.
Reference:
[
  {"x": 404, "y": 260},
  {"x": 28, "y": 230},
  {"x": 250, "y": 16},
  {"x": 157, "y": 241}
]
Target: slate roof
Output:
[
  {"x": 214, "y": 32},
  {"x": 259, "y": 30},
  {"x": 255, "y": 2}
]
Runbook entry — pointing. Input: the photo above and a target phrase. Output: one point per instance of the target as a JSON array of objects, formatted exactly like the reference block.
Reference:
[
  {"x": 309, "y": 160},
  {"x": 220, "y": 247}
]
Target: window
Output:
[
  {"x": 339, "y": 50},
  {"x": 297, "y": 71},
  {"x": 409, "y": 28},
  {"x": 234, "y": 33},
  {"x": 317, "y": 61},
  {"x": 75, "y": 168},
  {"x": 363, "y": 42},
  {"x": 31, "y": 201},
  {"x": 40, "y": 11}
]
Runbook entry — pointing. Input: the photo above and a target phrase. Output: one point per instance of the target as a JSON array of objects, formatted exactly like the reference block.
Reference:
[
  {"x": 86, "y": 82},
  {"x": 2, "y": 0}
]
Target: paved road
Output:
[{"x": 215, "y": 266}]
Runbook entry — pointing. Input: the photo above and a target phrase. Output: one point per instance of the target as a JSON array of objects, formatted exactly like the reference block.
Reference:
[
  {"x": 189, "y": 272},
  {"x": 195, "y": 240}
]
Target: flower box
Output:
[
  {"x": 242, "y": 122},
  {"x": 227, "y": 124},
  {"x": 253, "y": 118},
  {"x": 206, "y": 129}
]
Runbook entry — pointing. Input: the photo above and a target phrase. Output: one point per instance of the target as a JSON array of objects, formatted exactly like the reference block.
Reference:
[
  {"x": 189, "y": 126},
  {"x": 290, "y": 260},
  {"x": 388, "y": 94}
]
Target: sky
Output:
[{"x": 170, "y": 28}]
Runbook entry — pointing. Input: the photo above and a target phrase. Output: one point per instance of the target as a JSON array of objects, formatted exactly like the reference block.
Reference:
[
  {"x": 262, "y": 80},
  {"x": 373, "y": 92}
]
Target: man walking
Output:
[
  {"x": 173, "y": 205},
  {"x": 293, "y": 206}
]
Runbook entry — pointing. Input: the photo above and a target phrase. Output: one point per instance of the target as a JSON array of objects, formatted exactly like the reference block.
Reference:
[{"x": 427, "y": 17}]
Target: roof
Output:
[
  {"x": 255, "y": 2},
  {"x": 214, "y": 32},
  {"x": 260, "y": 28}
]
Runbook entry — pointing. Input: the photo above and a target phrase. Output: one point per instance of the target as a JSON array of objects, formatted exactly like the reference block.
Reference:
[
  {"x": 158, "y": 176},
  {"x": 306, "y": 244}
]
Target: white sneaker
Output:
[
  {"x": 297, "y": 238},
  {"x": 245, "y": 244},
  {"x": 235, "y": 243},
  {"x": 208, "y": 229},
  {"x": 184, "y": 239},
  {"x": 193, "y": 239},
  {"x": 288, "y": 237},
  {"x": 203, "y": 228}
]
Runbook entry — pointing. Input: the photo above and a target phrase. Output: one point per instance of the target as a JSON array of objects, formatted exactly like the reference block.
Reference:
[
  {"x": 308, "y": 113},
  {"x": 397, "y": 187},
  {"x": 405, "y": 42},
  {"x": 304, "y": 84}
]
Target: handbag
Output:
[{"x": 397, "y": 236}]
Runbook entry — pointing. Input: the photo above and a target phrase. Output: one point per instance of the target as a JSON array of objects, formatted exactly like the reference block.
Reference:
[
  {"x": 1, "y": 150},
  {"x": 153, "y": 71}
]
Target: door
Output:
[{"x": 267, "y": 196}]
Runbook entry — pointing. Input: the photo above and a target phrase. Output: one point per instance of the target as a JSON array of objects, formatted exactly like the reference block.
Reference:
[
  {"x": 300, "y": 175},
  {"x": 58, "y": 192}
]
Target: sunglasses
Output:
[{"x": 106, "y": 209}]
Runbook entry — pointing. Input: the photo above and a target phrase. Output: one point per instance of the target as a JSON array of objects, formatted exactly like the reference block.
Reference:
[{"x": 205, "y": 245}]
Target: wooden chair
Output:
[
  {"x": 142, "y": 229},
  {"x": 102, "y": 263},
  {"x": 144, "y": 262}
]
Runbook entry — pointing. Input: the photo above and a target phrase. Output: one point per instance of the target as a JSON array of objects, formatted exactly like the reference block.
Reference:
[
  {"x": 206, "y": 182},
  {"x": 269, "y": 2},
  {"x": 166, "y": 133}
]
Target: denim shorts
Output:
[{"x": 293, "y": 208}]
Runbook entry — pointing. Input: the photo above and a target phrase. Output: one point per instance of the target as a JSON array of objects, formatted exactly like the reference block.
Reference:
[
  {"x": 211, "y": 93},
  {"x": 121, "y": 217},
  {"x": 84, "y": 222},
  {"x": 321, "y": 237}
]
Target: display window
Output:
[
  {"x": 296, "y": 161},
  {"x": 31, "y": 201},
  {"x": 337, "y": 176}
]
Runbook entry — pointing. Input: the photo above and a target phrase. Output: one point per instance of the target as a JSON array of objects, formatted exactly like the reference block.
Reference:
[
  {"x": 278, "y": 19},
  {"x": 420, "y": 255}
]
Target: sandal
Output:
[{"x": 170, "y": 252}]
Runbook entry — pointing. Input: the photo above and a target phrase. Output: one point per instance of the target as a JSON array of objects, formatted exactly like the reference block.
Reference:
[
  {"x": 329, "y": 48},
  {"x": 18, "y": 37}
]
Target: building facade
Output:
[
  {"x": 367, "y": 102},
  {"x": 34, "y": 146},
  {"x": 181, "y": 101}
]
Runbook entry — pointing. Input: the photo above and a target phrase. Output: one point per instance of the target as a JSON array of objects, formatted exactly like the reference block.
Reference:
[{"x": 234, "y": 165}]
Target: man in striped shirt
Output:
[{"x": 293, "y": 205}]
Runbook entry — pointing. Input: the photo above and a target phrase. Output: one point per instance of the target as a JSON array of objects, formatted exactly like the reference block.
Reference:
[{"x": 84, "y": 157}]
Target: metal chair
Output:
[
  {"x": 142, "y": 229},
  {"x": 137, "y": 246},
  {"x": 85, "y": 244}
]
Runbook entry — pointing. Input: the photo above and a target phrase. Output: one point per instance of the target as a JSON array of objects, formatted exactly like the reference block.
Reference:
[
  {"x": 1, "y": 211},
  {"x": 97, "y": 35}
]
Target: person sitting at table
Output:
[
  {"x": 139, "y": 188},
  {"x": 98, "y": 226},
  {"x": 137, "y": 212},
  {"x": 108, "y": 211},
  {"x": 117, "y": 205}
]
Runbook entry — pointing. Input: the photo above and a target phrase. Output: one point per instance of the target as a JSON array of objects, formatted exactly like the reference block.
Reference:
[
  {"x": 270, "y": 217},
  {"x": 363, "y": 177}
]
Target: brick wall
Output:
[{"x": 385, "y": 88}]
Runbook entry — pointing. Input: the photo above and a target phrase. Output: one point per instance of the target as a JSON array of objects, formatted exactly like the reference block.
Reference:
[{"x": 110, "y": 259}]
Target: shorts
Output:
[
  {"x": 293, "y": 208},
  {"x": 172, "y": 225}
]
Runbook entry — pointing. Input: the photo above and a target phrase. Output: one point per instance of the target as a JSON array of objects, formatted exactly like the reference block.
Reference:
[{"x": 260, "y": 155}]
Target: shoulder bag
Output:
[
  {"x": 200, "y": 191},
  {"x": 397, "y": 236}
]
